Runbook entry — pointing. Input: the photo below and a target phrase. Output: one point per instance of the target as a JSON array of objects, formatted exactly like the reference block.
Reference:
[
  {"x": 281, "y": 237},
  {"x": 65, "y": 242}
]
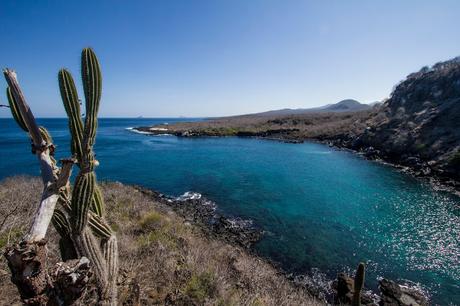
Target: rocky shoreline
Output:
[
  {"x": 197, "y": 210},
  {"x": 408, "y": 164},
  {"x": 411, "y": 165}
]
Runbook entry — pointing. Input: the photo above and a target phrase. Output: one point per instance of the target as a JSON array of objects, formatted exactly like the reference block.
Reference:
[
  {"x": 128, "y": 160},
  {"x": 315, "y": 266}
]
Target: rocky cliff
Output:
[{"x": 418, "y": 126}]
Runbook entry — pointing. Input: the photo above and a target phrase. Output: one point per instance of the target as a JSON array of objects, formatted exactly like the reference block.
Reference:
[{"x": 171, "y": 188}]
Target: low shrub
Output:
[{"x": 201, "y": 287}]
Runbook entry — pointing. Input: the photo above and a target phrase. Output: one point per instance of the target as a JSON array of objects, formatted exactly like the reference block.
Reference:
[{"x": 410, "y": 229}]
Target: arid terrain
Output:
[{"x": 164, "y": 258}]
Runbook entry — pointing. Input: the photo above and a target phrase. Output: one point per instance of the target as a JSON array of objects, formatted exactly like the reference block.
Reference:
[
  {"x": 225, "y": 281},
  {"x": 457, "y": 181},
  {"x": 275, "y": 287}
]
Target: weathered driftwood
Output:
[
  {"x": 48, "y": 169},
  {"x": 64, "y": 284}
]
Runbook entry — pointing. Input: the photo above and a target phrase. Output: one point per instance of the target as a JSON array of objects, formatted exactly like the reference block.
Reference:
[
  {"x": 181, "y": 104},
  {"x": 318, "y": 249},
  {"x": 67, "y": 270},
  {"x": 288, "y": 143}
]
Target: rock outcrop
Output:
[
  {"x": 393, "y": 294},
  {"x": 198, "y": 210},
  {"x": 418, "y": 126}
]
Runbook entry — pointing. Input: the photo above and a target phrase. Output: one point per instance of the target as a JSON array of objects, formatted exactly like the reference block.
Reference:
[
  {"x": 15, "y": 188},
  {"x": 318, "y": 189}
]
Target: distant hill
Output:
[{"x": 348, "y": 105}]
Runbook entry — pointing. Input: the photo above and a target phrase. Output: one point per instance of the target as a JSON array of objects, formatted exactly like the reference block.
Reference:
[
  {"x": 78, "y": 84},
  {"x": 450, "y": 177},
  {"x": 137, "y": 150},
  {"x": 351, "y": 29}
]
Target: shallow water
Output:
[{"x": 320, "y": 207}]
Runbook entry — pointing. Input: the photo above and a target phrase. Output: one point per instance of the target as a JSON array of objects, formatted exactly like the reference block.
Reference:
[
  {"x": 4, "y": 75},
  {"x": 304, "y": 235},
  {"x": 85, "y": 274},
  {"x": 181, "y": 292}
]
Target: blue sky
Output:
[{"x": 210, "y": 58}]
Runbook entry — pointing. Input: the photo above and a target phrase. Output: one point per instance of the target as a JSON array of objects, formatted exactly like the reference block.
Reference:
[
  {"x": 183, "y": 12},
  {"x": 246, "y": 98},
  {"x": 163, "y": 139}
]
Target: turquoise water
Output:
[{"x": 320, "y": 207}]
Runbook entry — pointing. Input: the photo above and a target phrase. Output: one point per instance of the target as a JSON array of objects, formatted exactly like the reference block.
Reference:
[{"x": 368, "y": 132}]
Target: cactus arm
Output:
[
  {"x": 61, "y": 223},
  {"x": 97, "y": 224},
  {"x": 14, "y": 110},
  {"x": 72, "y": 107},
  {"x": 97, "y": 204},
  {"x": 92, "y": 86},
  {"x": 63, "y": 227},
  {"x": 358, "y": 284},
  {"x": 45, "y": 135},
  {"x": 23, "y": 107},
  {"x": 82, "y": 196},
  {"x": 110, "y": 249},
  {"x": 87, "y": 245},
  {"x": 99, "y": 227}
]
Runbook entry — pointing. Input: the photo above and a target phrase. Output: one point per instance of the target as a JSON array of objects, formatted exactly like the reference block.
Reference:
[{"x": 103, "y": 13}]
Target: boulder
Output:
[
  {"x": 393, "y": 294},
  {"x": 344, "y": 288}
]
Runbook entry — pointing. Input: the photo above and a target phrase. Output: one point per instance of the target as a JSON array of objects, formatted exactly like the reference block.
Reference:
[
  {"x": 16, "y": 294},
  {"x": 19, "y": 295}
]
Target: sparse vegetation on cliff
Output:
[
  {"x": 304, "y": 126},
  {"x": 163, "y": 258}
]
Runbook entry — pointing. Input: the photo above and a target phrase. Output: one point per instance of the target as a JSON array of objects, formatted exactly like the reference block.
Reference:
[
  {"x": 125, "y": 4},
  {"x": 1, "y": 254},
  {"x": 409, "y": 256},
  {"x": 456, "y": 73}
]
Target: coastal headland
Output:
[{"x": 415, "y": 129}]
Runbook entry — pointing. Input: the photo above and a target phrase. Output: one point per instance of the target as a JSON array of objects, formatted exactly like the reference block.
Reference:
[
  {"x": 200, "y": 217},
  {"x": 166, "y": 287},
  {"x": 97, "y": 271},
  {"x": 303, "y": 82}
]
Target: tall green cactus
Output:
[
  {"x": 92, "y": 86},
  {"x": 87, "y": 201},
  {"x": 72, "y": 107},
  {"x": 15, "y": 110},
  {"x": 358, "y": 284},
  {"x": 82, "y": 196},
  {"x": 80, "y": 222}
]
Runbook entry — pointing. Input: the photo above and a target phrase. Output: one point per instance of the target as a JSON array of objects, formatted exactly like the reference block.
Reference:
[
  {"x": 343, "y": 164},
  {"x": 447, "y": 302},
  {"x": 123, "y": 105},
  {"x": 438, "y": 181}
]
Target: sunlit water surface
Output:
[{"x": 321, "y": 208}]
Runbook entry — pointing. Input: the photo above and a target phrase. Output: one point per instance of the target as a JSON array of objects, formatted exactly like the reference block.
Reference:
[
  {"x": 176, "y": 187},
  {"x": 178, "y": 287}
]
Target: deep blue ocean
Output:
[{"x": 322, "y": 209}]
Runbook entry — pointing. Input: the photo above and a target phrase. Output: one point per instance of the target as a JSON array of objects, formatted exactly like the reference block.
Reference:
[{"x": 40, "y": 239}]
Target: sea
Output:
[{"x": 322, "y": 210}]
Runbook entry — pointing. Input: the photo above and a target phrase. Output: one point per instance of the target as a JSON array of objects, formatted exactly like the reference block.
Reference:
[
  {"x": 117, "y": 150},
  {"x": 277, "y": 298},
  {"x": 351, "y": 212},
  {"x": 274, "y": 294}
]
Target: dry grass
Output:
[
  {"x": 172, "y": 261},
  {"x": 303, "y": 126}
]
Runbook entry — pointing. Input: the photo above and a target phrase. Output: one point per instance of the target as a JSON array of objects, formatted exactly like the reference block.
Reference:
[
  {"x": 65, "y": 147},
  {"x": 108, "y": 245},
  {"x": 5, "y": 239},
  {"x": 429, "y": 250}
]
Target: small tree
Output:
[{"x": 87, "y": 244}]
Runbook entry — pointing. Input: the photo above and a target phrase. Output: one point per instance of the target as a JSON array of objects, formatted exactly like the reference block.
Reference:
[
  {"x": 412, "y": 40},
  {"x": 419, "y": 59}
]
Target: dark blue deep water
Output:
[{"x": 321, "y": 208}]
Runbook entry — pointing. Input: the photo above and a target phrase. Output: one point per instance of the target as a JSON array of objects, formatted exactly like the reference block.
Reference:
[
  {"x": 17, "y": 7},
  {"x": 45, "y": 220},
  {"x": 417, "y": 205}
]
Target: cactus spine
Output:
[{"x": 358, "y": 284}]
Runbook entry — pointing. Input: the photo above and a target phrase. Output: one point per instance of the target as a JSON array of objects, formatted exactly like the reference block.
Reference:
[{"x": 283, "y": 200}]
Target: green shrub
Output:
[
  {"x": 151, "y": 221},
  {"x": 200, "y": 287},
  {"x": 162, "y": 235}
]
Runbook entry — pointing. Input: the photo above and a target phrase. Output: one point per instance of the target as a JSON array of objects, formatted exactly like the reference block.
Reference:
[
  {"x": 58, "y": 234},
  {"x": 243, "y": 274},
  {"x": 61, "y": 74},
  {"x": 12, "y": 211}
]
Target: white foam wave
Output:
[
  {"x": 131, "y": 129},
  {"x": 240, "y": 223},
  {"x": 189, "y": 195},
  {"x": 134, "y": 130}
]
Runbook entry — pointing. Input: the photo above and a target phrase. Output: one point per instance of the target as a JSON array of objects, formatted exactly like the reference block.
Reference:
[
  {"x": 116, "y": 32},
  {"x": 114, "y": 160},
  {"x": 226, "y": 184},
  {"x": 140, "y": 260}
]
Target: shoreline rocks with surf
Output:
[
  {"x": 198, "y": 210},
  {"x": 194, "y": 208}
]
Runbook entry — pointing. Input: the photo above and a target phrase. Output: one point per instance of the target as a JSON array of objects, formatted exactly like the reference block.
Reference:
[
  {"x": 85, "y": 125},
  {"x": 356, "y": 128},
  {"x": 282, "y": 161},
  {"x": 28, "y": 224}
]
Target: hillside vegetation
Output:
[
  {"x": 419, "y": 124},
  {"x": 303, "y": 126},
  {"x": 163, "y": 258}
]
